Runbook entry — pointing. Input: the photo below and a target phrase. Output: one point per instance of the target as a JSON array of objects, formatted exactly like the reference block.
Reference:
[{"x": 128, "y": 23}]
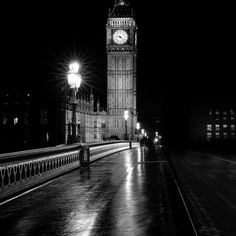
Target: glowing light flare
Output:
[
  {"x": 126, "y": 114},
  {"x": 138, "y": 126},
  {"x": 142, "y": 131},
  {"x": 74, "y": 67},
  {"x": 74, "y": 80}
]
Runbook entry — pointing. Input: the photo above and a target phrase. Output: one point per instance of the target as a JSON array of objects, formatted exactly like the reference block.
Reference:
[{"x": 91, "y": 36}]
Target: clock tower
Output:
[{"x": 121, "y": 69}]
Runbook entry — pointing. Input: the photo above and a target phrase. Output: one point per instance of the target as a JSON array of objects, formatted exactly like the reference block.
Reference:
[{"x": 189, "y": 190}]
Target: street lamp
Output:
[
  {"x": 74, "y": 81},
  {"x": 137, "y": 130},
  {"x": 126, "y": 116}
]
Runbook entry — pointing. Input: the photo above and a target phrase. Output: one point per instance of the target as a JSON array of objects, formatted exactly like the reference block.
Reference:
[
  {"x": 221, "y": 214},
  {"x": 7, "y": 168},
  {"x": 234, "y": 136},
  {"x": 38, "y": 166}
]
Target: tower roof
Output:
[{"x": 121, "y": 9}]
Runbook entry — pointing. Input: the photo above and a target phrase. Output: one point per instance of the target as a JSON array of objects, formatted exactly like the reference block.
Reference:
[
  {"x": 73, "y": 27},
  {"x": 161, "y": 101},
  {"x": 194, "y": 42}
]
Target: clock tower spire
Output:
[{"x": 121, "y": 68}]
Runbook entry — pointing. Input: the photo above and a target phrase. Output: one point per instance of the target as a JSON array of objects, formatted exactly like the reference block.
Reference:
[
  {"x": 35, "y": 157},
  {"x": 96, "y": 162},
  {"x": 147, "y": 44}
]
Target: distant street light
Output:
[
  {"x": 138, "y": 130},
  {"x": 126, "y": 116},
  {"x": 74, "y": 81}
]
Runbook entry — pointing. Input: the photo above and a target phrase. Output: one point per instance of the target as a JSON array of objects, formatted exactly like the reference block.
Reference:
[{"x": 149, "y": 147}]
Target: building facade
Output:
[
  {"x": 121, "y": 41},
  {"x": 94, "y": 125},
  {"x": 91, "y": 122}
]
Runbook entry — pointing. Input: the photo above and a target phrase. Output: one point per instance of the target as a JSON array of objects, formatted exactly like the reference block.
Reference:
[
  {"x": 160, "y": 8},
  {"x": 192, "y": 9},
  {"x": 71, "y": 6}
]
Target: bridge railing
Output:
[{"x": 23, "y": 170}]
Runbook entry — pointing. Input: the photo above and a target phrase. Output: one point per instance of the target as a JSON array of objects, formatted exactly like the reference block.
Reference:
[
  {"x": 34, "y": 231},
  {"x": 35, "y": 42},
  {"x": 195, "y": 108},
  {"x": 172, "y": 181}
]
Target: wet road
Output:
[
  {"x": 127, "y": 193},
  {"x": 210, "y": 183}
]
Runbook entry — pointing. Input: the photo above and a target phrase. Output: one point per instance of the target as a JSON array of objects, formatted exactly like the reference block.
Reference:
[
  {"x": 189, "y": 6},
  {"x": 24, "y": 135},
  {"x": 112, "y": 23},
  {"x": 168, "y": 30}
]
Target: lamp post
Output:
[
  {"x": 137, "y": 130},
  {"x": 126, "y": 116},
  {"x": 74, "y": 81}
]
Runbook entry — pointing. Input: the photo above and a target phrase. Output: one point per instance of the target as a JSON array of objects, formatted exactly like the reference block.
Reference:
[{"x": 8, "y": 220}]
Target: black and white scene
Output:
[{"x": 117, "y": 118}]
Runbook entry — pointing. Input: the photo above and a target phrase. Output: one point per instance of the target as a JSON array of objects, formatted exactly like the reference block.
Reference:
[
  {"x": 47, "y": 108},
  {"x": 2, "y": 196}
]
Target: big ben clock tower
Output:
[{"x": 121, "y": 69}]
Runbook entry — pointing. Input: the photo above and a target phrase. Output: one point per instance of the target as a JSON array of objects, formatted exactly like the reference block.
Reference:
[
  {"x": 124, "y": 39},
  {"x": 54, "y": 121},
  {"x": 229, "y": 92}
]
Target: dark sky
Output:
[{"x": 185, "y": 51}]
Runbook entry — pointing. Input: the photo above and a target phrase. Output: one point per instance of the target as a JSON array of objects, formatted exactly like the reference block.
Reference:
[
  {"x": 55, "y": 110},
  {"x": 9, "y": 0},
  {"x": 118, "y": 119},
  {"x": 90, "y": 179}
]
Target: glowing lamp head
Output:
[
  {"x": 138, "y": 126},
  {"x": 126, "y": 114},
  {"x": 74, "y": 80},
  {"x": 142, "y": 131},
  {"x": 74, "y": 67}
]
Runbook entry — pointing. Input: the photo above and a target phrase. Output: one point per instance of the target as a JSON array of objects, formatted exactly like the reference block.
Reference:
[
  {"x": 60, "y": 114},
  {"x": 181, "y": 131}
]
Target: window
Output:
[
  {"x": 4, "y": 119},
  {"x": 225, "y": 113},
  {"x": 217, "y": 112},
  {"x": 209, "y": 127},
  {"x": 16, "y": 120},
  {"x": 217, "y": 135},
  {"x": 95, "y": 135},
  {"x": 232, "y": 127},
  {"x": 209, "y": 136},
  {"x": 95, "y": 124},
  {"x": 225, "y": 135},
  {"x": 232, "y": 135},
  {"x": 217, "y": 127},
  {"x": 225, "y": 126},
  {"x": 232, "y": 112}
]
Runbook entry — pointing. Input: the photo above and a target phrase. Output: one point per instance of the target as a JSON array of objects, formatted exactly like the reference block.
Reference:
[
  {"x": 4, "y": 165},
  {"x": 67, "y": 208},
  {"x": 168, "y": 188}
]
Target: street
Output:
[
  {"x": 209, "y": 183},
  {"x": 127, "y": 193}
]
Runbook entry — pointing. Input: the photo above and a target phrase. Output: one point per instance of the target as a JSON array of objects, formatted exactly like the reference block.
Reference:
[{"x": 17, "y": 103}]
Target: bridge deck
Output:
[{"x": 128, "y": 193}]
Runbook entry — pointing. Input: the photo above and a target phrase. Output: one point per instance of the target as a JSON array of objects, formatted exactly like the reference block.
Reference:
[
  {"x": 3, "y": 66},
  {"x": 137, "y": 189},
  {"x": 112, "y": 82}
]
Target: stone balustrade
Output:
[{"x": 17, "y": 176}]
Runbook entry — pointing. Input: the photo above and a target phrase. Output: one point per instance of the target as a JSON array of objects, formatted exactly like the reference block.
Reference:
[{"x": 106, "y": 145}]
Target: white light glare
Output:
[
  {"x": 74, "y": 80},
  {"x": 74, "y": 67},
  {"x": 126, "y": 115},
  {"x": 138, "y": 125}
]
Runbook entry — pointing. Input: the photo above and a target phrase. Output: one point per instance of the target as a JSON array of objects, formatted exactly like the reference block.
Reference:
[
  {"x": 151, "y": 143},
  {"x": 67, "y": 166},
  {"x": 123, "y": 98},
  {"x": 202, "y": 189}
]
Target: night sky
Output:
[{"x": 185, "y": 51}]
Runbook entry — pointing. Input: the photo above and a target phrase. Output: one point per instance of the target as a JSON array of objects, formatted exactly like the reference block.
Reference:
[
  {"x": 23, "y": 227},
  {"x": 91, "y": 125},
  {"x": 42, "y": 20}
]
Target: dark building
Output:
[
  {"x": 23, "y": 122},
  {"x": 212, "y": 126}
]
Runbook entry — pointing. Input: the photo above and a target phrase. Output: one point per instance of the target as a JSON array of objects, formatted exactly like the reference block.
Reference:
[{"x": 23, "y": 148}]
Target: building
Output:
[
  {"x": 24, "y": 123},
  {"x": 95, "y": 126},
  {"x": 91, "y": 123},
  {"x": 220, "y": 126},
  {"x": 212, "y": 125},
  {"x": 121, "y": 44}
]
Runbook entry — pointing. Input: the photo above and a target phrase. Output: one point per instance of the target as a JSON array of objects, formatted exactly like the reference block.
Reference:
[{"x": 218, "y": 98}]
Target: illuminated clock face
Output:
[{"x": 120, "y": 37}]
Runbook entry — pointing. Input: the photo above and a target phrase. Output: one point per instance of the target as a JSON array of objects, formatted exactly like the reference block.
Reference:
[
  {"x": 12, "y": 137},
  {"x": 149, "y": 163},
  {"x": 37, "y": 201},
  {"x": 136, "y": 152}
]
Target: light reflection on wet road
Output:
[
  {"x": 119, "y": 195},
  {"x": 210, "y": 181}
]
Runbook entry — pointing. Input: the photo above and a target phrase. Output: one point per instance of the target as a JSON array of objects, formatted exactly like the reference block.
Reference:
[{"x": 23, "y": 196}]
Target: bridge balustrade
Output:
[
  {"x": 17, "y": 176},
  {"x": 24, "y": 170}
]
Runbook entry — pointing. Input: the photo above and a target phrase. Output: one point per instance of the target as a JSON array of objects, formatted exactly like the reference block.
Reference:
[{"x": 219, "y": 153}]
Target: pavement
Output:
[{"x": 132, "y": 192}]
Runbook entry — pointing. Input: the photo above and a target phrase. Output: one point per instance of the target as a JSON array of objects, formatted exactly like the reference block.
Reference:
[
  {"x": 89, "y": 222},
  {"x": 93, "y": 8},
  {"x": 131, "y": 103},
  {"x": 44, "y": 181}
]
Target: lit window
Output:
[
  {"x": 15, "y": 120},
  {"x": 209, "y": 127},
  {"x": 217, "y": 112},
  {"x": 209, "y": 136},
  {"x": 232, "y": 135},
  {"x": 224, "y": 118},
  {"x": 4, "y": 119},
  {"x": 225, "y": 113},
  {"x": 232, "y": 127},
  {"x": 217, "y": 135},
  {"x": 232, "y": 118},
  {"x": 217, "y": 127},
  {"x": 210, "y": 112},
  {"x": 232, "y": 112},
  {"x": 225, "y": 135},
  {"x": 225, "y": 126}
]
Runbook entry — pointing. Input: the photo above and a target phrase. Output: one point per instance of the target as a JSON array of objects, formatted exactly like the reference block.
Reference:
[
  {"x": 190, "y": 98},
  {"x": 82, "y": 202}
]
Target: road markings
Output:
[
  {"x": 190, "y": 218},
  {"x": 221, "y": 159},
  {"x": 144, "y": 162},
  {"x": 226, "y": 200}
]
